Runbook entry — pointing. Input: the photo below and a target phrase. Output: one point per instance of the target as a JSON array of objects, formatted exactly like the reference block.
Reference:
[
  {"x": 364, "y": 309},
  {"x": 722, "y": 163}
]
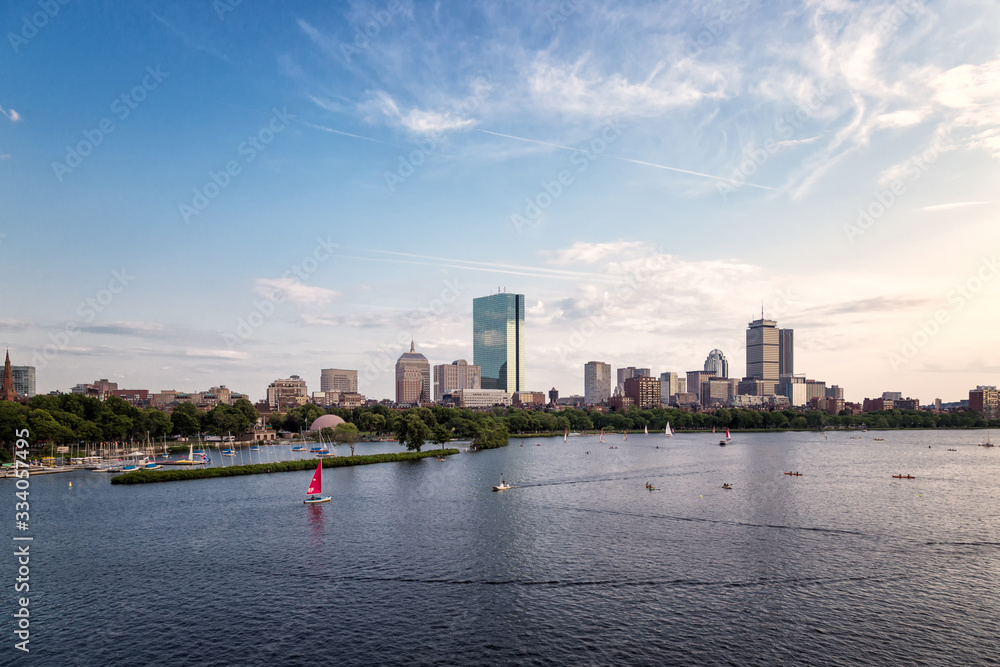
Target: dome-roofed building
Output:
[
  {"x": 717, "y": 362},
  {"x": 325, "y": 421},
  {"x": 413, "y": 378}
]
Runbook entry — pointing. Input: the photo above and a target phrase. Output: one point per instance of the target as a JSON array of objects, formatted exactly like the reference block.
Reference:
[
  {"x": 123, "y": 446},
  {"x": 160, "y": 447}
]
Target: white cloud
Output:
[
  {"x": 419, "y": 121},
  {"x": 217, "y": 354},
  {"x": 10, "y": 113},
  {"x": 293, "y": 291},
  {"x": 578, "y": 88},
  {"x": 951, "y": 205},
  {"x": 588, "y": 253}
]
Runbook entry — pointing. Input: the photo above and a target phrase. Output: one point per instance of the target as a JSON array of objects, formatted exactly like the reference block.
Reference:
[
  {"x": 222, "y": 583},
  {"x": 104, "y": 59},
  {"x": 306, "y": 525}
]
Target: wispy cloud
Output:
[
  {"x": 951, "y": 205},
  {"x": 293, "y": 291},
  {"x": 11, "y": 114},
  {"x": 632, "y": 161},
  {"x": 419, "y": 121}
]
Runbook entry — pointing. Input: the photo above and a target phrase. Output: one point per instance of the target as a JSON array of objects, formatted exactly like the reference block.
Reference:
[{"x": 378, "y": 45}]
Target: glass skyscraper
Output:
[{"x": 498, "y": 340}]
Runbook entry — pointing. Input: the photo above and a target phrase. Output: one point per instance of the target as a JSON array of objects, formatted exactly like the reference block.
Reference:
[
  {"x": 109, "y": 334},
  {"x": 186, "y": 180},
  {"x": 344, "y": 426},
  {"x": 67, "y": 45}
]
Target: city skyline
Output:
[{"x": 233, "y": 196}]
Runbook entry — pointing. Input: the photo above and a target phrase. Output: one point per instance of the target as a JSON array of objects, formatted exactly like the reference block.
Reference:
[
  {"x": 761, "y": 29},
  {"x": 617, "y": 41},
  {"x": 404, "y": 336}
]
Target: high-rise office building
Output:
[
  {"x": 630, "y": 372},
  {"x": 459, "y": 374},
  {"x": 413, "y": 377},
  {"x": 671, "y": 383},
  {"x": 498, "y": 340},
  {"x": 596, "y": 382},
  {"x": 338, "y": 379},
  {"x": 786, "y": 352},
  {"x": 695, "y": 380},
  {"x": 24, "y": 380},
  {"x": 762, "y": 353},
  {"x": 717, "y": 362}
]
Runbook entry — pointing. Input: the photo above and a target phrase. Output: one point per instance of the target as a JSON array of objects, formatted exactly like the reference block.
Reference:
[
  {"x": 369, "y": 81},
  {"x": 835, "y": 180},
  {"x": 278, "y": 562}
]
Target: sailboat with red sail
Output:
[{"x": 315, "y": 490}]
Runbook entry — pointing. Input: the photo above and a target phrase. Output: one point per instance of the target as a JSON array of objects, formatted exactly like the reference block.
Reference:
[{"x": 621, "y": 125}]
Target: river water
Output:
[{"x": 420, "y": 563}]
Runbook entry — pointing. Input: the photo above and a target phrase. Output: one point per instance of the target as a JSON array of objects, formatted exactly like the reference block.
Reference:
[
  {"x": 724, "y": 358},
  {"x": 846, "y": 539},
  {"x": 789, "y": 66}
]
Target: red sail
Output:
[{"x": 316, "y": 485}]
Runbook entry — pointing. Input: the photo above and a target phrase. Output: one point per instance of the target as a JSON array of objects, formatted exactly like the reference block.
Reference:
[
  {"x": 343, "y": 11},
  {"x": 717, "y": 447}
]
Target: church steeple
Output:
[{"x": 7, "y": 391}]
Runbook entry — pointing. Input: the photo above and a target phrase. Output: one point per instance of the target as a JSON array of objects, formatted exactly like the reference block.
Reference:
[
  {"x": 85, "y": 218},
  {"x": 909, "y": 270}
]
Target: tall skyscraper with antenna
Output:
[{"x": 498, "y": 340}]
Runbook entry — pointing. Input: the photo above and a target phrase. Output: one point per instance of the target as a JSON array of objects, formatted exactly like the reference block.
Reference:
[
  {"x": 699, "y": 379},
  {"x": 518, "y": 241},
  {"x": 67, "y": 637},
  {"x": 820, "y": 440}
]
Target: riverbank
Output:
[{"x": 154, "y": 476}]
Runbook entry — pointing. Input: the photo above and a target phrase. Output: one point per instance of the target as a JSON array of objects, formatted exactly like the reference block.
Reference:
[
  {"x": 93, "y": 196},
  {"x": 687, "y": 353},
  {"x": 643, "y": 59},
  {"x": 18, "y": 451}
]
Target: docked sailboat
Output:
[{"x": 315, "y": 489}]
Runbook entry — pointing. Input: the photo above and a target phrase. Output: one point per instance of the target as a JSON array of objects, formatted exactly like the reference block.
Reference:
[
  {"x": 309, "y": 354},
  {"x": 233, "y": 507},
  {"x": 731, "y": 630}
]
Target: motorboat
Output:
[{"x": 503, "y": 486}]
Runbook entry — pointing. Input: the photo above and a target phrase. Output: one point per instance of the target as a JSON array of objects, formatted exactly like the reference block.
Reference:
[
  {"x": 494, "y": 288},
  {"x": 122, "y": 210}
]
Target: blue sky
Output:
[{"x": 198, "y": 194}]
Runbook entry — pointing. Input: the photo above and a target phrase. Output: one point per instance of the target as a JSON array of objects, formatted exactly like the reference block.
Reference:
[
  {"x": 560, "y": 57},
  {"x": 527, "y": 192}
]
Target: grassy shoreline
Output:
[{"x": 154, "y": 476}]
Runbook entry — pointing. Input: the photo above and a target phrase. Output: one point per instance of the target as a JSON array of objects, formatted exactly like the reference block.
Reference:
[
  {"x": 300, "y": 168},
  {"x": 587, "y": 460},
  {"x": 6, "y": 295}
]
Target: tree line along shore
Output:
[{"x": 73, "y": 418}]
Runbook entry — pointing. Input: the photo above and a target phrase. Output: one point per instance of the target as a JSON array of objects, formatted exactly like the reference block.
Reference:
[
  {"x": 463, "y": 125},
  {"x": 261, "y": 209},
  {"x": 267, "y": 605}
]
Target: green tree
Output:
[
  {"x": 248, "y": 410},
  {"x": 186, "y": 420},
  {"x": 412, "y": 432},
  {"x": 346, "y": 434},
  {"x": 441, "y": 435}
]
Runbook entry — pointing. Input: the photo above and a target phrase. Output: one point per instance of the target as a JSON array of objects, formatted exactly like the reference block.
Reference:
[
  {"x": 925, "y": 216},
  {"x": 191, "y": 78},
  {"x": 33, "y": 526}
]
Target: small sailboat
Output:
[
  {"x": 315, "y": 489},
  {"x": 646, "y": 429},
  {"x": 602, "y": 435},
  {"x": 987, "y": 442},
  {"x": 727, "y": 434},
  {"x": 565, "y": 435},
  {"x": 667, "y": 432},
  {"x": 624, "y": 436},
  {"x": 503, "y": 485}
]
